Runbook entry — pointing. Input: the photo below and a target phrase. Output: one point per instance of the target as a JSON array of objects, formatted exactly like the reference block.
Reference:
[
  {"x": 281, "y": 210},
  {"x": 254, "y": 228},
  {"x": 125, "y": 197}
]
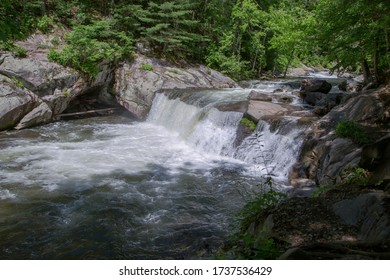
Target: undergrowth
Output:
[
  {"x": 352, "y": 130},
  {"x": 89, "y": 45}
]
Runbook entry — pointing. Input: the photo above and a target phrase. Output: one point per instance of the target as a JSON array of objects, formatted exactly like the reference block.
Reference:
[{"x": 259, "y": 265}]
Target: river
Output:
[{"x": 112, "y": 188}]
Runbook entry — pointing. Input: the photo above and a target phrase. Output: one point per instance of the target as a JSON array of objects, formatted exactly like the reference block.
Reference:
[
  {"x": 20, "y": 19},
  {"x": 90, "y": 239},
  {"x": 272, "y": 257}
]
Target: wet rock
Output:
[
  {"x": 284, "y": 99},
  {"x": 258, "y": 109},
  {"x": 315, "y": 85},
  {"x": 260, "y": 96},
  {"x": 240, "y": 106},
  {"x": 312, "y": 98},
  {"x": 137, "y": 82}
]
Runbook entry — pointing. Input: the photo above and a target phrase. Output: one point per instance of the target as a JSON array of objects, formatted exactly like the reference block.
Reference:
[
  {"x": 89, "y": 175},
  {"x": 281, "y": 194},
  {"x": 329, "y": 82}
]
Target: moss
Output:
[
  {"x": 251, "y": 125},
  {"x": 146, "y": 67}
]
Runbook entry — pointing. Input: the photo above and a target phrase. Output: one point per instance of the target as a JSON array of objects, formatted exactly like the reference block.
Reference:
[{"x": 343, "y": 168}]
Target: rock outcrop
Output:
[
  {"x": 317, "y": 93},
  {"x": 330, "y": 228},
  {"x": 15, "y": 102},
  {"x": 35, "y": 91},
  {"x": 137, "y": 82},
  {"x": 324, "y": 154},
  {"x": 315, "y": 85}
]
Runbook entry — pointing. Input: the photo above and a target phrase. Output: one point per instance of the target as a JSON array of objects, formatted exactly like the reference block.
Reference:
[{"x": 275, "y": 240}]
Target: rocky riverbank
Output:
[
  {"x": 339, "y": 206},
  {"x": 35, "y": 91}
]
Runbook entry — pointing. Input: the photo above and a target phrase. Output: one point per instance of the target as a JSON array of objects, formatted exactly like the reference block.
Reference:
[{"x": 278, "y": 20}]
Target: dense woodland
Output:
[{"x": 241, "y": 38}]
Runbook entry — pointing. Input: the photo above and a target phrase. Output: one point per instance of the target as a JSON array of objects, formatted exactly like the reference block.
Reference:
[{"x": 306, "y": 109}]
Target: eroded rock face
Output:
[
  {"x": 136, "y": 83},
  {"x": 41, "y": 77},
  {"x": 15, "y": 102},
  {"x": 324, "y": 155},
  {"x": 35, "y": 90},
  {"x": 376, "y": 159}
]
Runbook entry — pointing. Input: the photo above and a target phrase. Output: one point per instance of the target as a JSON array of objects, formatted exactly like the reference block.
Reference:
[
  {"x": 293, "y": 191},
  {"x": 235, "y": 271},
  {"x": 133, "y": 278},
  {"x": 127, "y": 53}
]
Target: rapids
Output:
[{"x": 111, "y": 188}]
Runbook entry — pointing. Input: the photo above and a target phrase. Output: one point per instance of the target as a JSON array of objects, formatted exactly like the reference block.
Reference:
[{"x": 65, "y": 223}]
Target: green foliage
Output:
[
  {"x": 17, "y": 18},
  {"x": 15, "y": 49},
  {"x": 17, "y": 82},
  {"x": 241, "y": 38},
  {"x": 353, "y": 131},
  {"x": 147, "y": 67},
  {"x": 170, "y": 27},
  {"x": 350, "y": 177},
  {"x": 248, "y": 123},
  {"x": 255, "y": 208},
  {"x": 354, "y": 32},
  {"x": 45, "y": 23},
  {"x": 257, "y": 244},
  {"x": 66, "y": 92},
  {"x": 289, "y": 24},
  {"x": 355, "y": 176},
  {"x": 89, "y": 45}
]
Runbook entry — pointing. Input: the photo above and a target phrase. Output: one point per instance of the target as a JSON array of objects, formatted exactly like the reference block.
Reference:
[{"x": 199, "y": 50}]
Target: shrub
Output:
[
  {"x": 45, "y": 23},
  {"x": 147, "y": 67},
  {"x": 248, "y": 123},
  {"x": 351, "y": 130},
  {"x": 256, "y": 245},
  {"x": 89, "y": 45},
  {"x": 255, "y": 208},
  {"x": 15, "y": 49},
  {"x": 356, "y": 176}
]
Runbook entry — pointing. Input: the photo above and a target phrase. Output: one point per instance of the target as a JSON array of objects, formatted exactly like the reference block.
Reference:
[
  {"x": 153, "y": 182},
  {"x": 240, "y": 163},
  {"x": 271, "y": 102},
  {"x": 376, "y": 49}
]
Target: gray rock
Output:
[
  {"x": 367, "y": 212},
  {"x": 135, "y": 87},
  {"x": 376, "y": 158},
  {"x": 259, "y": 96},
  {"x": 41, "y": 77},
  {"x": 39, "y": 115},
  {"x": 15, "y": 102},
  {"x": 315, "y": 85},
  {"x": 312, "y": 98}
]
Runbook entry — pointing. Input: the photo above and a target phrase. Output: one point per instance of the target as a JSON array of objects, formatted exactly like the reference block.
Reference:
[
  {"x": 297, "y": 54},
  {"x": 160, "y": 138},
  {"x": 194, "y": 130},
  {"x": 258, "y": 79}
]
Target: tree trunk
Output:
[
  {"x": 376, "y": 62},
  {"x": 366, "y": 71},
  {"x": 288, "y": 63}
]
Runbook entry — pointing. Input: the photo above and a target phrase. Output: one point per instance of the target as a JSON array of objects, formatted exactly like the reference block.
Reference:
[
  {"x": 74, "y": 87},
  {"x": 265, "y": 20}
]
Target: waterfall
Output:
[
  {"x": 205, "y": 128},
  {"x": 273, "y": 151},
  {"x": 195, "y": 118}
]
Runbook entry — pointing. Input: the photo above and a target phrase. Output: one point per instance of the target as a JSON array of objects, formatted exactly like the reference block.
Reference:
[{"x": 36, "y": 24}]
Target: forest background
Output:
[{"x": 242, "y": 38}]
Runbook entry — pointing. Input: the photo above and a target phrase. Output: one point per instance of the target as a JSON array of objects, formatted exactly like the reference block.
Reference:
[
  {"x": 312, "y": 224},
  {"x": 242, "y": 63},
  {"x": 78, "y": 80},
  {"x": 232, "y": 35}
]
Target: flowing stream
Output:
[{"x": 110, "y": 188}]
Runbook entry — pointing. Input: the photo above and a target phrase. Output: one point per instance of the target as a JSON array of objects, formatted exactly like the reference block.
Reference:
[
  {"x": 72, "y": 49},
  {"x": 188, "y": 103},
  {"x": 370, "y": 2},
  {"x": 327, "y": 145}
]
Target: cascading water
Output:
[
  {"x": 104, "y": 188},
  {"x": 214, "y": 132}
]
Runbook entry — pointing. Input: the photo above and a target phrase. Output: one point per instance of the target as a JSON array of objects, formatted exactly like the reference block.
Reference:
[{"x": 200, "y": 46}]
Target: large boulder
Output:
[
  {"x": 376, "y": 158},
  {"x": 35, "y": 90},
  {"x": 137, "y": 82},
  {"x": 15, "y": 102},
  {"x": 315, "y": 85},
  {"x": 41, "y": 77},
  {"x": 39, "y": 115}
]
